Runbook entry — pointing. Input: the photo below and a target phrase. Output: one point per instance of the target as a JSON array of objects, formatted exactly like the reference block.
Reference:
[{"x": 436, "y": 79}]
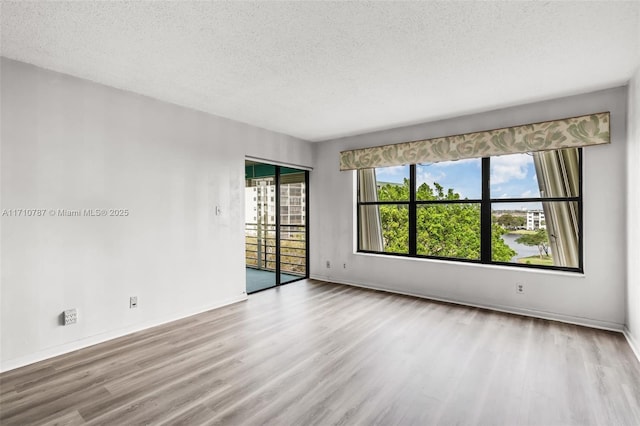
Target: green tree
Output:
[
  {"x": 500, "y": 251},
  {"x": 510, "y": 221},
  {"x": 446, "y": 230},
  {"x": 395, "y": 218},
  {"x": 539, "y": 239}
]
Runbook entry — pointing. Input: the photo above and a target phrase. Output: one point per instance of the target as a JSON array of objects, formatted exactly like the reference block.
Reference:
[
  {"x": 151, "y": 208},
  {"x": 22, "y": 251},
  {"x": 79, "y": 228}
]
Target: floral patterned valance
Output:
[{"x": 572, "y": 132}]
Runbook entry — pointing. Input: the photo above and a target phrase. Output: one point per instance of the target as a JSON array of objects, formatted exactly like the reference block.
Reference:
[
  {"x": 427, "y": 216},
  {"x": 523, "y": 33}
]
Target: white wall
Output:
[
  {"x": 71, "y": 144},
  {"x": 596, "y": 298},
  {"x": 633, "y": 216}
]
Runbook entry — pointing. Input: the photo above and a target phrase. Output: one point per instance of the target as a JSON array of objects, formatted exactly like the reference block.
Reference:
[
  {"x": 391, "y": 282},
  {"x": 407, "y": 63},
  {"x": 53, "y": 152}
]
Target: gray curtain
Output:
[
  {"x": 558, "y": 176},
  {"x": 370, "y": 234}
]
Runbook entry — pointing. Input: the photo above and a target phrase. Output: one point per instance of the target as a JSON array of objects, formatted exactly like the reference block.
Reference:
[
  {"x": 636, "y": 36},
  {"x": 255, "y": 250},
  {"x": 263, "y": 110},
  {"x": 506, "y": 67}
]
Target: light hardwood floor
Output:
[{"x": 318, "y": 353}]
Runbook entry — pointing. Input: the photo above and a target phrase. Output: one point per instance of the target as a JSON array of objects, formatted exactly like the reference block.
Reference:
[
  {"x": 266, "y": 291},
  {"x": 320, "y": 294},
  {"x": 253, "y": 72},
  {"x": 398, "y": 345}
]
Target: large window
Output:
[{"x": 519, "y": 209}]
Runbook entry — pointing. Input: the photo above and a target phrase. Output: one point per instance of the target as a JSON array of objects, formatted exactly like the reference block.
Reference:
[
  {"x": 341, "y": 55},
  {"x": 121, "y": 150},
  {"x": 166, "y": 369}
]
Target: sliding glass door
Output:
[
  {"x": 293, "y": 225},
  {"x": 276, "y": 233},
  {"x": 260, "y": 226}
]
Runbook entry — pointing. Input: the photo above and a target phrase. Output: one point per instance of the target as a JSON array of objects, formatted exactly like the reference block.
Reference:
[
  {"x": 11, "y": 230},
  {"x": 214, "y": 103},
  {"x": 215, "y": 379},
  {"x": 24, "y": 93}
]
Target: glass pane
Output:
[
  {"x": 449, "y": 180},
  {"x": 393, "y": 183},
  {"x": 259, "y": 226},
  {"x": 513, "y": 176},
  {"x": 449, "y": 230},
  {"x": 384, "y": 228},
  {"x": 292, "y": 225},
  {"x": 539, "y": 234}
]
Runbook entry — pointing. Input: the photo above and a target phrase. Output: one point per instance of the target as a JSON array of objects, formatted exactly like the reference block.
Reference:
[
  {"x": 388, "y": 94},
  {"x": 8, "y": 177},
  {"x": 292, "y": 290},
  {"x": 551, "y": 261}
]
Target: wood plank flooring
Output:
[{"x": 314, "y": 353}]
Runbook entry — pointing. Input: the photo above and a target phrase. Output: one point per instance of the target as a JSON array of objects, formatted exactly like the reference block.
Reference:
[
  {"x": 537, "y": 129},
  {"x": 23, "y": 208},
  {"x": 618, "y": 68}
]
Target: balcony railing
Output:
[{"x": 260, "y": 247}]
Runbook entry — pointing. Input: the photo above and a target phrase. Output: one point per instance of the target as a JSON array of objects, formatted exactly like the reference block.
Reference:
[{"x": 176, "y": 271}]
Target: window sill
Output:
[{"x": 576, "y": 274}]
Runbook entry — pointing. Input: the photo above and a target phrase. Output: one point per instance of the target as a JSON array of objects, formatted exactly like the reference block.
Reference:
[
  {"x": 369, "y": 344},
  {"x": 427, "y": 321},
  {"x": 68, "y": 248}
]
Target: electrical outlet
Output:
[
  {"x": 520, "y": 288},
  {"x": 133, "y": 302},
  {"x": 328, "y": 264},
  {"x": 344, "y": 266},
  {"x": 70, "y": 316}
]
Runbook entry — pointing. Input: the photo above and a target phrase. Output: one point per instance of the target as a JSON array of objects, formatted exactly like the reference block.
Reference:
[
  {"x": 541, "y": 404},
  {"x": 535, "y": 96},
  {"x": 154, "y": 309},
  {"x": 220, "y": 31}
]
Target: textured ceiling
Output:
[{"x": 320, "y": 70}]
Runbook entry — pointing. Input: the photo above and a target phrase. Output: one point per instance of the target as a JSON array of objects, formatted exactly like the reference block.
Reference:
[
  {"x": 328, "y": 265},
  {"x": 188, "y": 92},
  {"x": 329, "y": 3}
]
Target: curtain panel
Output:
[
  {"x": 370, "y": 232},
  {"x": 558, "y": 174},
  {"x": 571, "y": 132}
]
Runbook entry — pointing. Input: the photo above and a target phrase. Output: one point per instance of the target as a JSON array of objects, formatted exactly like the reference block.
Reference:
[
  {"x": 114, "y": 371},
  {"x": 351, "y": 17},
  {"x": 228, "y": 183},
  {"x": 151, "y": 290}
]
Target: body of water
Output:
[{"x": 521, "y": 249}]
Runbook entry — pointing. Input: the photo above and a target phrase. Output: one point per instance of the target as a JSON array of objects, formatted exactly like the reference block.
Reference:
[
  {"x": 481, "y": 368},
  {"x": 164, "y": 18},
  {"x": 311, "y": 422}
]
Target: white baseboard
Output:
[
  {"x": 635, "y": 345},
  {"x": 45, "y": 354},
  {"x": 587, "y": 322}
]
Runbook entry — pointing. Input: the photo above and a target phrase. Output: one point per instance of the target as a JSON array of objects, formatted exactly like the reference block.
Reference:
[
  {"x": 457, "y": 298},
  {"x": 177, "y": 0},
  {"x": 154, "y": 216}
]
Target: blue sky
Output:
[{"x": 512, "y": 176}]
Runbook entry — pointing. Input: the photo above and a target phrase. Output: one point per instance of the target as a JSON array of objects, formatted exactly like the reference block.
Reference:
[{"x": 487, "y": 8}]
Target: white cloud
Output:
[
  {"x": 394, "y": 170},
  {"x": 423, "y": 176},
  {"x": 527, "y": 194},
  {"x": 392, "y": 174},
  {"x": 508, "y": 167}
]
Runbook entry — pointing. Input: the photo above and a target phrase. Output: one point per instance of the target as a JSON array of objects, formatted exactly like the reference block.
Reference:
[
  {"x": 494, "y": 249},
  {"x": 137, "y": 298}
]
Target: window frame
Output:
[{"x": 486, "y": 203}]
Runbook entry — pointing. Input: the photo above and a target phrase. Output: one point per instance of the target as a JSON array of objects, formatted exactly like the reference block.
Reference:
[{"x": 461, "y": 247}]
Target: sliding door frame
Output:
[
  {"x": 278, "y": 220},
  {"x": 278, "y": 253}
]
